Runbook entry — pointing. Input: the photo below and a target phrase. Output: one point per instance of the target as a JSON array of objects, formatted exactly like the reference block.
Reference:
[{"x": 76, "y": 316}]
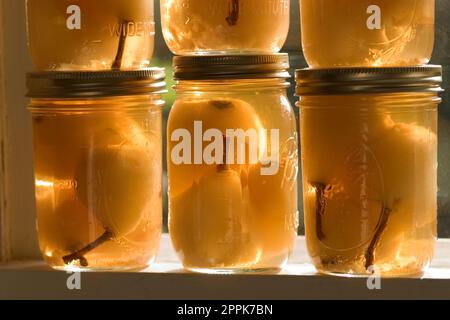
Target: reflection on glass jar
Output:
[
  {"x": 225, "y": 26},
  {"x": 98, "y": 172},
  {"x": 345, "y": 33},
  {"x": 370, "y": 169},
  {"x": 90, "y": 34},
  {"x": 233, "y": 161}
]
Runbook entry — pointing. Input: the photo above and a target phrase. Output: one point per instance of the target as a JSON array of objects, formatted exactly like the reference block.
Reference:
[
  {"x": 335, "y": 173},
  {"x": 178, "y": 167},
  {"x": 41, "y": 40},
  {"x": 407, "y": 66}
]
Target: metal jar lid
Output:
[
  {"x": 231, "y": 67},
  {"x": 427, "y": 78},
  {"x": 92, "y": 84}
]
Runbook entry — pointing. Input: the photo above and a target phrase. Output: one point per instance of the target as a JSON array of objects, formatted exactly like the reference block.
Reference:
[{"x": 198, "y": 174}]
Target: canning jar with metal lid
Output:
[
  {"x": 98, "y": 167},
  {"x": 90, "y": 34},
  {"x": 356, "y": 33},
  {"x": 233, "y": 162},
  {"x": 369, "y": 157},
  {"x": 225, "y": 26}
]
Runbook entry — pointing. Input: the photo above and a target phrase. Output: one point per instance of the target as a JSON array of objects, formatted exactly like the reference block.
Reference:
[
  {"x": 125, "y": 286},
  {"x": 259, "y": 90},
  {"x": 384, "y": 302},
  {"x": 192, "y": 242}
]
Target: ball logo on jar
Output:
[
  {"x": 374, "y": 21},
  {"x": 289, "y": 151},
  {"x": 73, "y": 22},
  {"x": 234, "y": 146}
]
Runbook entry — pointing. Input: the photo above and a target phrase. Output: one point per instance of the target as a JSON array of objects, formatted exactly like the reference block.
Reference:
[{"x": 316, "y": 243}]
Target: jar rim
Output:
[
  {"x": 93, "y": 84},
  {"x": 426, "y": 78},
  {"x": 229, "y": 67}
]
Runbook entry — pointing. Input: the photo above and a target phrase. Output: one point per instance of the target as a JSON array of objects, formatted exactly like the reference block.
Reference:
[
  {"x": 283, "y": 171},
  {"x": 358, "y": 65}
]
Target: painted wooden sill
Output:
[{"x": 166, "y": 280}]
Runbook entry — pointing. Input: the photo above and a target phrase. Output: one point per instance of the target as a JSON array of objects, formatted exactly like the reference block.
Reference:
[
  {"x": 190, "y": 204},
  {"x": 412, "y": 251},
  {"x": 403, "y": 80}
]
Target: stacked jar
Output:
[
  {"x": 97, "y": 123},
  {"x": 232, "y": 141},
  {"x": 368, "y": 117}
]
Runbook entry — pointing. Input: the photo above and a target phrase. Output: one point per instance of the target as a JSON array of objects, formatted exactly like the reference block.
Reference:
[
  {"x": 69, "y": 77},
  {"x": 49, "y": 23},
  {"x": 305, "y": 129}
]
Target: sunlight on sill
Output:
[{"x": 167, "y": 262}]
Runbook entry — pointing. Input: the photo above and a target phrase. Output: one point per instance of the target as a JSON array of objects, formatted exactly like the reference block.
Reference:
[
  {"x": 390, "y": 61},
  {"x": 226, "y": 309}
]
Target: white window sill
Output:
[{"x": 166, "y": 280}]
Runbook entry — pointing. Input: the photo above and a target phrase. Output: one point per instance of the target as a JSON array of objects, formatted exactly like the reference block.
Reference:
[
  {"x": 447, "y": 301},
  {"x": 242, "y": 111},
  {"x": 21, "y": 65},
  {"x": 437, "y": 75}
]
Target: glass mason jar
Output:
[
  {"x": 225, "y": 26},
  {"x": 232, "y": 162},
  {"x": 369, "y": 156},
  {"x": 350, "y": 33},
  {"x": 90, "y": 34},
  {"x": 98, "y": 167}
]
